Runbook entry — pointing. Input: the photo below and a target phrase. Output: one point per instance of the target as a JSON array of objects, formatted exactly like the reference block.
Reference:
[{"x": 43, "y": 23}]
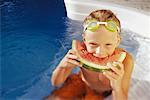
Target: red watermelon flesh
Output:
[{"x": 94, "y": 63}]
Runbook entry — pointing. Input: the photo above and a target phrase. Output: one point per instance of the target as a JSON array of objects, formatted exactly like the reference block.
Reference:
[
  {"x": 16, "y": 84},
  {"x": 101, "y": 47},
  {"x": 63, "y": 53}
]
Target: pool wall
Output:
[{"x": 132, "y": 19}]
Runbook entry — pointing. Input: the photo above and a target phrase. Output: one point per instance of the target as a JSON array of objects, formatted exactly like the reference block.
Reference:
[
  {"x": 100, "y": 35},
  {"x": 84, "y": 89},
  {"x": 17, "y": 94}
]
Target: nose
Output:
[{"x": 98, "y": 50}]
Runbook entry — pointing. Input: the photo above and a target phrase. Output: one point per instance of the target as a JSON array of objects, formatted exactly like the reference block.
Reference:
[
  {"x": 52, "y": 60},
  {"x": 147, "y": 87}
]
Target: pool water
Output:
[
  {"x": 36, "y": 35},
  {"x": 31, "y": 31}
]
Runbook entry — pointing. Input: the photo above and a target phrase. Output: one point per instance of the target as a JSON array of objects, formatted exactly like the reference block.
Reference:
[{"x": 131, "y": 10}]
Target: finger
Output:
[
  {"x": 109, "y": 76},
  {"x": 116, "y": 70},
  {"x": 80, "y": 64},
  {"x": 72, "y": 56},
  {"x": 113, "y": 67},
  {"x": 119, "y": 64},
  {"x": 73, "y": 62},
  {"x": 71, "y": 51}
]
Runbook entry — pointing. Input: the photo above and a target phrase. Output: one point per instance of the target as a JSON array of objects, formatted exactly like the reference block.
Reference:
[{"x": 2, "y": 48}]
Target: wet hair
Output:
[{"x": 102, "y": 15}]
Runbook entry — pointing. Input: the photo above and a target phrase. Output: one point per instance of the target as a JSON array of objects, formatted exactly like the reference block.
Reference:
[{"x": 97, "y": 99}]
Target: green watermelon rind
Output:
[
  {"x": 94, "y": 69},
  {"x": 92, "y": 65}
]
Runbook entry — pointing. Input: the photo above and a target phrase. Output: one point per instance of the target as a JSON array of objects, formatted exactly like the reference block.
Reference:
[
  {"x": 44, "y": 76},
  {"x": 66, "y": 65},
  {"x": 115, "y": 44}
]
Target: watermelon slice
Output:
[{"x": 94, "y": 63}]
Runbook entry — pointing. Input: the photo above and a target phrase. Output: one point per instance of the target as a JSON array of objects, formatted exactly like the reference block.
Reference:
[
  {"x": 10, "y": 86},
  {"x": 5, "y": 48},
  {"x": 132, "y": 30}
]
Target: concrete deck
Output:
[{"x": 141, "y": 5}]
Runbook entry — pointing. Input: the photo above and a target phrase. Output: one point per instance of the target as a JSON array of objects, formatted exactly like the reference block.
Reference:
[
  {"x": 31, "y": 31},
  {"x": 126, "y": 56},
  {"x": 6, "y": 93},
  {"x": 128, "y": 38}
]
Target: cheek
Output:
[
  {"x": 90, "y": 50},
  {"x": 110, "y": 50}
]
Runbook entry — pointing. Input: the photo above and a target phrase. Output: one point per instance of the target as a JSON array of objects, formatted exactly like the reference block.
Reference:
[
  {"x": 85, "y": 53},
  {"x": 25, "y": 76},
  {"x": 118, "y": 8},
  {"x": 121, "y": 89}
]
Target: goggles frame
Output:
[{"x": 109, "y": 25}]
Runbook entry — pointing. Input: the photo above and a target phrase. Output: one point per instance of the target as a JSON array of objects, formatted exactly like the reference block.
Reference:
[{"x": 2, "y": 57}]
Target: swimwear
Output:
[{"x": 76, "y": 89}]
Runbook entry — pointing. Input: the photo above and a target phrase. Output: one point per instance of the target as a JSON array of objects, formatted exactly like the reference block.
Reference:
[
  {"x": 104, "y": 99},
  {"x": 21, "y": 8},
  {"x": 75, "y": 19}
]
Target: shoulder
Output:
[
  {"x": 128, "y": 59},
  {"x": 128, "y": 62},
  {"x": 128, "y": 68}
]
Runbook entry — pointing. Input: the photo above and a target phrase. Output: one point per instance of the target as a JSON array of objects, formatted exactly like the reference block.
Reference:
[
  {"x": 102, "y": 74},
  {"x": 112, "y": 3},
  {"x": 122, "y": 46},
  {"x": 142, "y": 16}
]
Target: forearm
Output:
[
  {"x": 60, "y": 74},
  {"x": 119, "y": 95}
]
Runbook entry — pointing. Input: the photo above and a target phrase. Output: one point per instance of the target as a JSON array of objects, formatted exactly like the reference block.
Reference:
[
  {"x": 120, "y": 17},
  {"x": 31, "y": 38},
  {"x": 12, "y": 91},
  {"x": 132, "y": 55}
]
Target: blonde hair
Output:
[{"x": 102, "y": 15}]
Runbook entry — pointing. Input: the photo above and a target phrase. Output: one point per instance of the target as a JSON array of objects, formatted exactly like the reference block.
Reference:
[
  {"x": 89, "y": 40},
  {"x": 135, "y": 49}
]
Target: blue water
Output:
[{"x": 31, "y": 36}]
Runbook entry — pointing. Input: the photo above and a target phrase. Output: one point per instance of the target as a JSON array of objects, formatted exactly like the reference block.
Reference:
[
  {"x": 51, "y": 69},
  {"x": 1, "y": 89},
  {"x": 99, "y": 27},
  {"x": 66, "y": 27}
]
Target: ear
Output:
[{"x": 118, "y": 40}]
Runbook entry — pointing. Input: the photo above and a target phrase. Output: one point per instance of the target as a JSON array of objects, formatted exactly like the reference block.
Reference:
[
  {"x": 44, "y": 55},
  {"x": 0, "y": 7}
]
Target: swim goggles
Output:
[{"x": 95, "y": 25}]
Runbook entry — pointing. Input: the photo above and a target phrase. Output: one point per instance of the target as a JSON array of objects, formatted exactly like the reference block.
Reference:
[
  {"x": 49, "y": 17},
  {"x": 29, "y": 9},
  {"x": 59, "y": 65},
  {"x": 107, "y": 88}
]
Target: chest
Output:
[{"x": 95, "y": 78}]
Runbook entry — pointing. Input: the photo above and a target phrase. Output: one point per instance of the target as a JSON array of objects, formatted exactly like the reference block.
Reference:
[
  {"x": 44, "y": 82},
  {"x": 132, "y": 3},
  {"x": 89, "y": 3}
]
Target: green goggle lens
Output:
[
  {"x": 111, "y": 26},
  {"x": 93, "y": 26}
]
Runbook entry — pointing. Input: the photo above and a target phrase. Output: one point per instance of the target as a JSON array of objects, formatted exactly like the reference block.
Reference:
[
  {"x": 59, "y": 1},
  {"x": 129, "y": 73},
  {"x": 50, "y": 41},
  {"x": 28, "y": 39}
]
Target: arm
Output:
[
  {"x": 60, "y": 74},
  {"x": 122, "y": 92},
  {"x": 120, "y": 78},
  {"x": 65, "y": 67}
]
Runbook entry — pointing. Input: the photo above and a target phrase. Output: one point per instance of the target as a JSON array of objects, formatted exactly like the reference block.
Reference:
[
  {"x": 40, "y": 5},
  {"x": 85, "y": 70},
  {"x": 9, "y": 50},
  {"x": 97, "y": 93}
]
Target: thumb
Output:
[{"x": 80, "y": 65}]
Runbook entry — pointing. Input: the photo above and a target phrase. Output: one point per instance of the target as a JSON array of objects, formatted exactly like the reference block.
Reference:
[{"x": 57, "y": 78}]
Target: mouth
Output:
[{"x": 100, "y": 56}]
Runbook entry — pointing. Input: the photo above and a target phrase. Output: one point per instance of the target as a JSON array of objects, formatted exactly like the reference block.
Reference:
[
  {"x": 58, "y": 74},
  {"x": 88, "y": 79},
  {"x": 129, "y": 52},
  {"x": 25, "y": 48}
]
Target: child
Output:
[{"x": 101, "y": 38}]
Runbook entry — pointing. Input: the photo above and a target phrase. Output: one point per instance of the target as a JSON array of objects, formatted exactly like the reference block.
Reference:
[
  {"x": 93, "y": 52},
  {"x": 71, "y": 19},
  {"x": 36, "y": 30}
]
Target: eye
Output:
[
  {"x": 93, "y": 44},
  {"x": 108, "y": 44}
]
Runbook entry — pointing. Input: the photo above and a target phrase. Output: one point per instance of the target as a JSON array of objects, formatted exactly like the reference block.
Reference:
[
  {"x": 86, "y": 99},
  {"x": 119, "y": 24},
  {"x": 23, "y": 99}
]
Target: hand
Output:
[
  {"x": 115, "y": 75},
  {"x": 70, "y": 60}
]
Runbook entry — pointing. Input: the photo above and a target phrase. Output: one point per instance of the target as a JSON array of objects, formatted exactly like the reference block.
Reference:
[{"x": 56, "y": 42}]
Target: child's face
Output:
[{"x": 101, "y": 43}]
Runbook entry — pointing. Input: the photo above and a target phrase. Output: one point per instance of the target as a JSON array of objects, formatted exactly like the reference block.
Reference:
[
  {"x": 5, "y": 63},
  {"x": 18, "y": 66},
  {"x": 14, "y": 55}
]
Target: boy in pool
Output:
[{"x": 101, "y": 38}]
